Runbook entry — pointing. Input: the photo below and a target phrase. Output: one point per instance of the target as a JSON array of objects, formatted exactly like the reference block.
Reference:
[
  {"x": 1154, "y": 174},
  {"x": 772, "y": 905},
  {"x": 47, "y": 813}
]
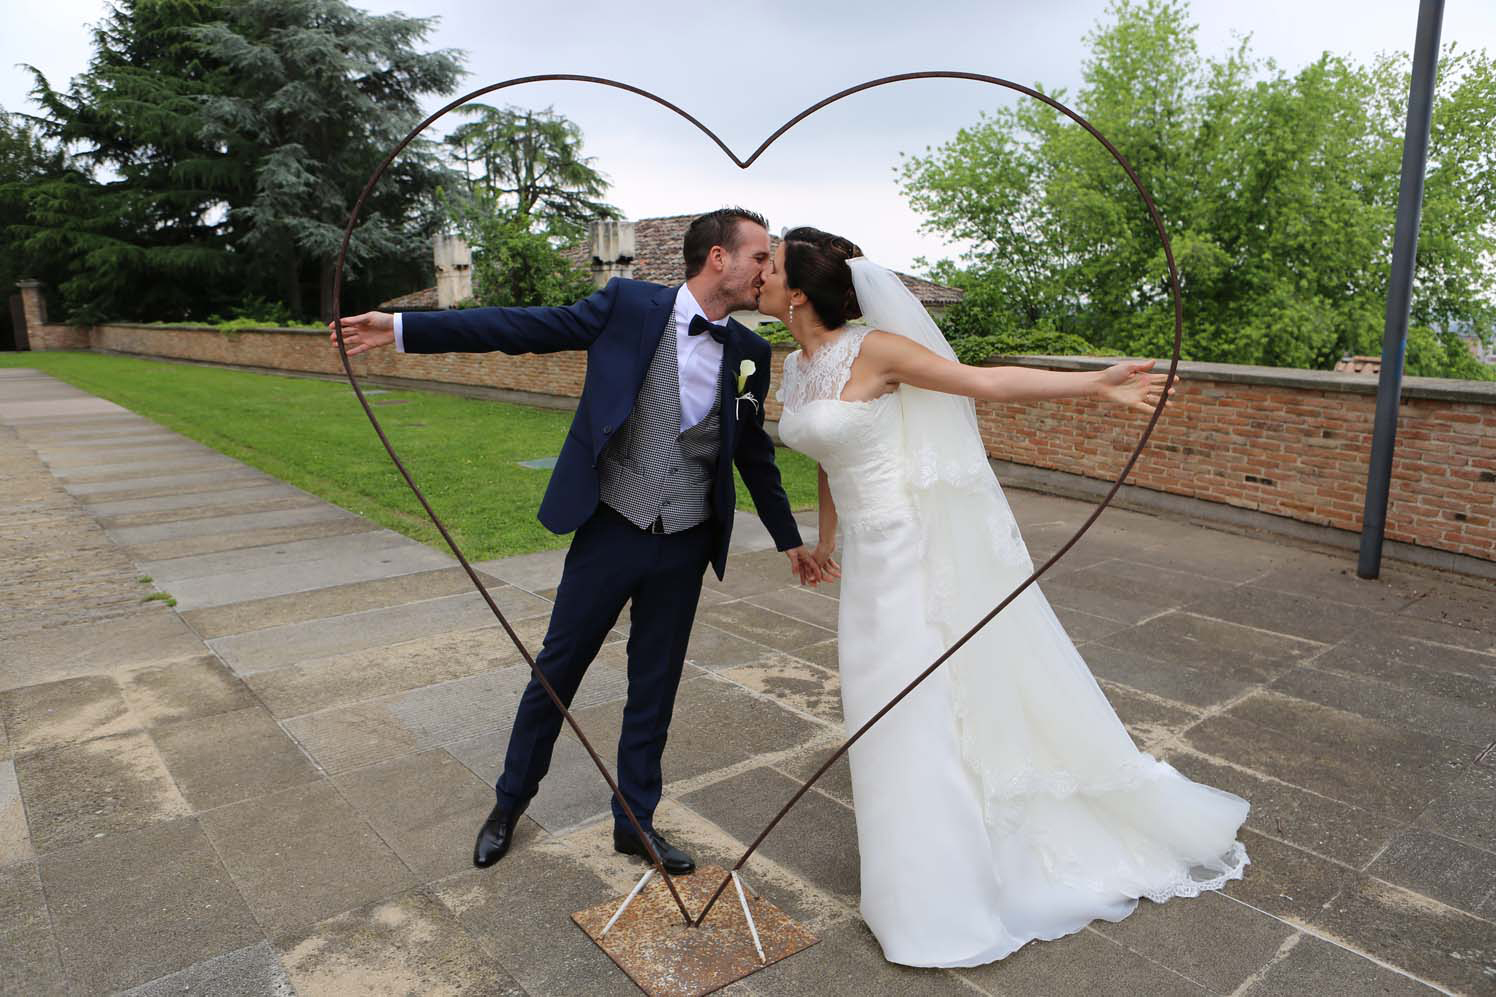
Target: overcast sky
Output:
[{"x": 745, "y": 68}]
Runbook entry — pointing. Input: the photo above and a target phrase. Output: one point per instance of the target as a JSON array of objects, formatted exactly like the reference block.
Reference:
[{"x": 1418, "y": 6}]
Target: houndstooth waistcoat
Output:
[{"x": 651, "y": 470}]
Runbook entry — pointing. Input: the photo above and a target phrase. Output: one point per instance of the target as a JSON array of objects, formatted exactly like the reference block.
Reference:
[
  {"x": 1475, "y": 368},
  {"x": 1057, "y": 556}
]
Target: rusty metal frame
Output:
[{"x": 1174, "y": 287}]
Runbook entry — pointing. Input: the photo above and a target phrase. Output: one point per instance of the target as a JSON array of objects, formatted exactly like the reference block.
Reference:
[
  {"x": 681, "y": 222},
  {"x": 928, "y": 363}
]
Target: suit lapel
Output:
[{"x": 653, "y": 328}]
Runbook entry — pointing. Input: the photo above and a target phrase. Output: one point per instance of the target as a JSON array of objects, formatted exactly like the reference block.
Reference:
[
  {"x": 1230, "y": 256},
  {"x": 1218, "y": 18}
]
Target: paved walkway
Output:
[{"x": 272, "y": 787}]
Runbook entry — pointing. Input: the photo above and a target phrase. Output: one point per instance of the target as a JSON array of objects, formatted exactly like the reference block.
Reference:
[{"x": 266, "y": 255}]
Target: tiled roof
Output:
[
  {"x": 1359, "y": 365},
  {"x": 415, "y": 301}
]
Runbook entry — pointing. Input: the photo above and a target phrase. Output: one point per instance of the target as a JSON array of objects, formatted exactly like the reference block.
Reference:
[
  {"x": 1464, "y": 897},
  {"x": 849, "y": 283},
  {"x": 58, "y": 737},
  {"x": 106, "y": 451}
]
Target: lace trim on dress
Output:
[
  {"x": 1185, "y": 881},
  {"x": 824, "y": 375}
]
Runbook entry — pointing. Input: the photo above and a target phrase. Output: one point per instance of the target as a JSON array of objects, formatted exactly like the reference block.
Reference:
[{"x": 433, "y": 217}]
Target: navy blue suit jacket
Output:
[{"x": 620, "y": 328}]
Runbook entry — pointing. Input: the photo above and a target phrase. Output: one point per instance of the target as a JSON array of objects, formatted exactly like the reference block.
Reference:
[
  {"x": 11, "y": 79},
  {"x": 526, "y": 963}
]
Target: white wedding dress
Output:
[{"x": 1002, "y": 801}]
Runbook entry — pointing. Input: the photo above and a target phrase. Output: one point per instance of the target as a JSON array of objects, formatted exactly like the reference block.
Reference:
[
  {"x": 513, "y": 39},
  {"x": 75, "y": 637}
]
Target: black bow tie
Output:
[{"x": 699, "y": 324}]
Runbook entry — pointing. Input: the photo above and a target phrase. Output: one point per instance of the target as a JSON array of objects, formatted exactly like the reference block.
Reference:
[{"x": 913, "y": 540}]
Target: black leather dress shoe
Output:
[
  {"x": 675, "y": 861},
  {"x": 495, "y": 835}
]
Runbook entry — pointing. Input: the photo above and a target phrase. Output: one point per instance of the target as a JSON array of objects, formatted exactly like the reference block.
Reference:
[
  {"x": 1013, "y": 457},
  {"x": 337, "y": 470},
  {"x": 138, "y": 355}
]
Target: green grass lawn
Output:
[{"x": 463, "y": 452}]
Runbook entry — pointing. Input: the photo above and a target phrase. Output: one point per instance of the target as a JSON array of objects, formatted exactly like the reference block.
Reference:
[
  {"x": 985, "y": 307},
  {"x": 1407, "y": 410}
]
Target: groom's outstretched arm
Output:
[
  {"x": 508, "y": 330},
  {"x": 755, "y": 462}
]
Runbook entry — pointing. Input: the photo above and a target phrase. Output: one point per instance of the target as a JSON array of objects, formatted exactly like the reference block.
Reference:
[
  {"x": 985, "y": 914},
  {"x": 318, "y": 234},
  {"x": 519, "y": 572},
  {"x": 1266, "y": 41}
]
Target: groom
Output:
[{"x": 644, "y": 478}]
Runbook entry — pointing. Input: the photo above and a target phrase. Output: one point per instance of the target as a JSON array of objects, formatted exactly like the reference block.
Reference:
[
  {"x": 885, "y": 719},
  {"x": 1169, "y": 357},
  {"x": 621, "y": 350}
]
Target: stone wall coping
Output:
[{"x": 1438, "y": 388}]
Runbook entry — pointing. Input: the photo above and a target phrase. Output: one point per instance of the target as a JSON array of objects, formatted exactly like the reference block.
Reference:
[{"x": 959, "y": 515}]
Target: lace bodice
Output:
[{"x": 860, "y": 444}]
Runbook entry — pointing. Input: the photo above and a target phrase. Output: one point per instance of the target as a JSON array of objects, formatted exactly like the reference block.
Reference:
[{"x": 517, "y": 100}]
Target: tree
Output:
[
  {"x": 317, "y": 94},
  {"x": 531, "y": 163},
  {"x": 1279, "y": 192},
  {"x": 133, "y": 224},
  {"x": 513, "y": 264},
  {"x": 26, "y": 160},
  {"x": 216, "y": 148},
  {"x": 528, "y": 194}
]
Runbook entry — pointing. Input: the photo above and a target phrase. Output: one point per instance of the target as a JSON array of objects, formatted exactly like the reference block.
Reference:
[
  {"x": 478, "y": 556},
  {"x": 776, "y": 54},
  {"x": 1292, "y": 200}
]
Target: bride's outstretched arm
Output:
[
  {"x": 826, "y": 526},
  {"x": 902, "y": 361}
]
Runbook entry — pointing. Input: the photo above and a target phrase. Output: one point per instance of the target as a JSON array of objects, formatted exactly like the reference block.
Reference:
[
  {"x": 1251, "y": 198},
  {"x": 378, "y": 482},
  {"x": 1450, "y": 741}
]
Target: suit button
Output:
[{"x": 607, "y": 430}]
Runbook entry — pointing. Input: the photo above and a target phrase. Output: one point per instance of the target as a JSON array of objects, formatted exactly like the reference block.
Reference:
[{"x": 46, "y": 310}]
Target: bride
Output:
[{"x": 1002, "y": 801}]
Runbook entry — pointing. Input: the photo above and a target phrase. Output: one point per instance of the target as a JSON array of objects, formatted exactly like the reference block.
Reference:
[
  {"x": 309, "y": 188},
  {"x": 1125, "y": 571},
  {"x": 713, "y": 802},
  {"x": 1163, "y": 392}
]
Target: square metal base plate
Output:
[{"x": 667, "y": 958}]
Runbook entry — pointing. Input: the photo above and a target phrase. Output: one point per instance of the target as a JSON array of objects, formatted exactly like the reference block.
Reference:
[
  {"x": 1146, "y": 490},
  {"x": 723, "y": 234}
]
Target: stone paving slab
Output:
[
  {"x": 1423, "y": 937},
  {"x": 231, "y": 757},
  {"x": 236, "y": 523},
  {"x": 355, "y": 676},
  {"x": 155, "y": 485},
  {"x": 137, "y": 471},
  {"x": 317, "y": 807},
  {"x": 271, "y": 646},
  {"x": 1215, "y": 942},
  {"x": 253, "y": 489},
  {"x": 15, "y": 835},
  {"x": 249, "y": 972},
  {"x": 203, "y": 591},
  {"x": 124, "y": 455},
  {"x": 288, "y": 498},
  {"x": 64, "y": 652},
  {"x": 407, "y": 945},
  {"x": 282, "y": 556},
  {"x": 185, "y": 690},
  {"x": 1084, "y": 963},
  {"x": 1313, "y": 966},
  {"x": 303, "y": 855},
  {"x": 133, "y": 907},
  {"x": 1367, "y": 763},
  {"x": 422, "y": 805},
  {"x": 212, "y": 543},
  {"x": 30, "y": 964},
  {"x": 99, "y": 788}
]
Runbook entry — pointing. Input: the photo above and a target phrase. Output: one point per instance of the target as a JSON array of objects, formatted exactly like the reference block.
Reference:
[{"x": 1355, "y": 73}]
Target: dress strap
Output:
[{"x": 847, "y": 348}]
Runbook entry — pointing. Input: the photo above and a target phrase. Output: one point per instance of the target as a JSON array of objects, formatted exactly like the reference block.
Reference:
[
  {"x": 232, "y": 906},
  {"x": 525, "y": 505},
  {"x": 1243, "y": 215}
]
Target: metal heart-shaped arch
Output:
[{"x": 337, "y": 290}]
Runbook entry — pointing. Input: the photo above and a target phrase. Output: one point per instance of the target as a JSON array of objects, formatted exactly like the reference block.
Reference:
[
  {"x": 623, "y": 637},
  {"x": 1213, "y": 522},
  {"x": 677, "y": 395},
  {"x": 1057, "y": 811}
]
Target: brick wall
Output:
[{"x": 1287, "y": 442}]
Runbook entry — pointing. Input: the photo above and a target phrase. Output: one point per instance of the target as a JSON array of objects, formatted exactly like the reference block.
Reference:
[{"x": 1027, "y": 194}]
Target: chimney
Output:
[
  {"x": 454, "y": 269},
  {"x": 612, "y": 249}
]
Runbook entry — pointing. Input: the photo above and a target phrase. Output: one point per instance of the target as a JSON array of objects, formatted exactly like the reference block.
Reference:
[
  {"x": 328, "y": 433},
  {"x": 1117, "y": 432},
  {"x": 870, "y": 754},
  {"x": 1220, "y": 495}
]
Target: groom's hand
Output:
[
  {"x": 803, "y": 564},
  {"x": 362, "y": 333}
]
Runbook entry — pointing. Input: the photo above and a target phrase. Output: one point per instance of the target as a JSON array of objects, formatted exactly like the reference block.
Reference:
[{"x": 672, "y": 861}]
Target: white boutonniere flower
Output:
[{"x": 745, "y": 371}]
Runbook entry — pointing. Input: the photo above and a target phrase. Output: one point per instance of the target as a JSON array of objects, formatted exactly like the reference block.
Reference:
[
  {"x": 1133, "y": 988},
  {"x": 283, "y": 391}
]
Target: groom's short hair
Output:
[{"x": 716, "y": 228}]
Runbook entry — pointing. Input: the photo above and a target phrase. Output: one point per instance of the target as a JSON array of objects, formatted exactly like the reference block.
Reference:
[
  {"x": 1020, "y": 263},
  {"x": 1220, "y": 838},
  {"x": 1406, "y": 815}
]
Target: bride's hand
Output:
[
  {"x": 1130, "y": 383},
  {"x": 830, "y": 570}
]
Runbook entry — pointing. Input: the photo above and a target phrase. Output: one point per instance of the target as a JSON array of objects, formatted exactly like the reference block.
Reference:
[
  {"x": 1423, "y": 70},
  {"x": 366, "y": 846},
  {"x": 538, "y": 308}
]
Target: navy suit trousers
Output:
[{"x": 611, "y": 562}]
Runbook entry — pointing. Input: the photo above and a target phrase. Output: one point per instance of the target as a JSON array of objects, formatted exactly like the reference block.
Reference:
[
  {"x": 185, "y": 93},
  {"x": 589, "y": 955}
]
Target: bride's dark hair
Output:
[{"x": 815, "y": 262}]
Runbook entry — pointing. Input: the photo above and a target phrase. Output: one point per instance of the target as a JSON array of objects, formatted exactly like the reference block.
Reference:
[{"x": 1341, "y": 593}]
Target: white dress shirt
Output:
[{"x": 698, "y": 358}]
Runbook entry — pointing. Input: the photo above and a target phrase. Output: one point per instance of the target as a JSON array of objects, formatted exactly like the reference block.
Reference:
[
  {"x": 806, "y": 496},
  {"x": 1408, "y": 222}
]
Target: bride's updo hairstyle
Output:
[{"x": 815, "y": 263}]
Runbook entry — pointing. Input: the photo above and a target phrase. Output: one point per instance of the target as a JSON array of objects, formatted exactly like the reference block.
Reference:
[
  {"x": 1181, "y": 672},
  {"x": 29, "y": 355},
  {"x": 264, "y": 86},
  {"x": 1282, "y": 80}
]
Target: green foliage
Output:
[
  {"x": 129, "y": 227},
  {"x": 527, "y": 194},
  {"x": 1022, "y": 342},
  {"x": 513, "y": 263},
  {"x": 316, "y": 92},
  {"x": 462, "y": 451},
  {"x": 1433, "y": 353},
  {"x": 216, "y": 146},
  {"x": 776, "y": 333},
  {"x": 26, "y": 160},
  {"x": 1279, "y": 192}
]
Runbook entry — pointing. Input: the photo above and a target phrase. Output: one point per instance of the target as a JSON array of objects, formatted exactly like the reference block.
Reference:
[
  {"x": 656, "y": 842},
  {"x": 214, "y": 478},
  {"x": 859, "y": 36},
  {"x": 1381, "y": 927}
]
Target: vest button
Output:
[{"x": 607, "y": 430}]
